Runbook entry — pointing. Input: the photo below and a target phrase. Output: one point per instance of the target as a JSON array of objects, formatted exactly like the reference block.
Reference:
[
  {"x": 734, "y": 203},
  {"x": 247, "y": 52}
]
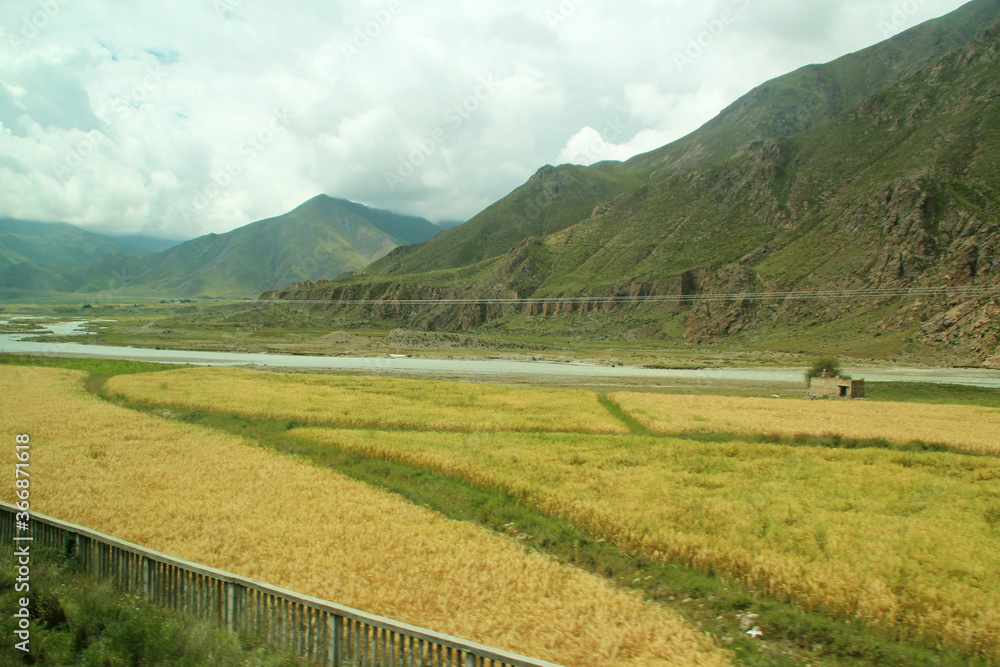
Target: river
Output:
[{"x": 11, "y": 343}]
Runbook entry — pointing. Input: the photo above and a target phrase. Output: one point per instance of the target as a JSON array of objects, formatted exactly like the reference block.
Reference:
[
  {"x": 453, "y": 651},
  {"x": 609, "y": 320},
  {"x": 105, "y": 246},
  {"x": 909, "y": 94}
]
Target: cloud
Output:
[{"x": 200, "y": 116}]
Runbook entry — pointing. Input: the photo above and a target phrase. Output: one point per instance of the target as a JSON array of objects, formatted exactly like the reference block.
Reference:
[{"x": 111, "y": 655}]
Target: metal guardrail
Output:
[{"x": 322, "y": 632}]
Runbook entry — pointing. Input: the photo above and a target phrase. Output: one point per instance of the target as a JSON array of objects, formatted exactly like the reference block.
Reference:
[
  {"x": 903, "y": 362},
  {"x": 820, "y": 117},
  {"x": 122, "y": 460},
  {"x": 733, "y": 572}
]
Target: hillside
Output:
[
  {"x": 557, "y": 197},
  {"x": 42, "y": 258},
  {"x": 552, "y": 199},
  {"x": 39, "y": 243},
  {"x": 814, "y": 94},
  {"x": 896, "y": 191},
  {"x": 320, "y": 239}
]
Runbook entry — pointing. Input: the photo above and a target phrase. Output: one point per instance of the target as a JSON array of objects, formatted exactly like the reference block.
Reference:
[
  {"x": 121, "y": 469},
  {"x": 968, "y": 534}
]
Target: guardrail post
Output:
[
  {"x": 231, "y": 607},
  {"x": 72, "y": 545},
  {"x": 335, "y": 647},
  {"x": 147, "y": 578}
]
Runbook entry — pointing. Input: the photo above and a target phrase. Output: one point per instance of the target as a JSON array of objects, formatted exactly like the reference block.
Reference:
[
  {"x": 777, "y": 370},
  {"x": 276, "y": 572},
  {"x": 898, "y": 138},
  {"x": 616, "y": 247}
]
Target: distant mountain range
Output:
[
  {"x": 877, "y": 171},
  {"x": 24, "y": 242},
  {"x": 320, "y": 239}
]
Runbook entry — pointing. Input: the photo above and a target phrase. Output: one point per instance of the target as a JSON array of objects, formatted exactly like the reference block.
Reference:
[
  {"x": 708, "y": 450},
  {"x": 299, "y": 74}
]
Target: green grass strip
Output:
[{"x": 634, "y": 427}]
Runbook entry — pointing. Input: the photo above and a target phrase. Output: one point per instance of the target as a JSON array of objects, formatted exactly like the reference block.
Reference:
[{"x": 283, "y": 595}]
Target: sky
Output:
[{"x": 182, "y": 118}]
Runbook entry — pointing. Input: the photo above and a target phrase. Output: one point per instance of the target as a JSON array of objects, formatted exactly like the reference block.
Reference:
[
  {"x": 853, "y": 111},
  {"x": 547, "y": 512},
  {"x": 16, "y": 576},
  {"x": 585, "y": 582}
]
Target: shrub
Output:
[{"x": 829, "y": 366}]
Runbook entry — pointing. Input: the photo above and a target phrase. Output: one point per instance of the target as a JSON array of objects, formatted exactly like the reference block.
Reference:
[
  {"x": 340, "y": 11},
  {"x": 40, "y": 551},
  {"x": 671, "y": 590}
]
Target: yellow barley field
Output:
[
  {"x": 975, "y": 429},
  {"x": 218, "y": 500},
  {"x": 907, "y": 541},
  {"x": 363, "y": 401}
]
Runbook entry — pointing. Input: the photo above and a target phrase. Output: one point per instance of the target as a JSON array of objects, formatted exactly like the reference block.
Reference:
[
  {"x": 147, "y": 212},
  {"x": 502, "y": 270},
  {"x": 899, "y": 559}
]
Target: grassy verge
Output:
[
  {"x": 78, "y": 620},
  {"x": 926, "y": 392},
  {"x": 616, "y": 411}
]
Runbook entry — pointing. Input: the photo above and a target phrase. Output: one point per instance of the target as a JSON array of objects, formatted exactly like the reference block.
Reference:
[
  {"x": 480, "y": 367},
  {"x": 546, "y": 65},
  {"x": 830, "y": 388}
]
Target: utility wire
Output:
[
  {"x": 654, "y": 298},
  {"x": 668, "y": 298}
]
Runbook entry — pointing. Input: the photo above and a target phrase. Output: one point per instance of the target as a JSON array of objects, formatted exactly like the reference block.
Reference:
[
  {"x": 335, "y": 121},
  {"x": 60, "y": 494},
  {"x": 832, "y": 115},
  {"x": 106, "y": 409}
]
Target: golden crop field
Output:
[
  {"x": 363, "y": 401},
  {"x": 975, "y": 429},
  {"x": 907, "y": 541},
  {"x": 218, "y": 500}
]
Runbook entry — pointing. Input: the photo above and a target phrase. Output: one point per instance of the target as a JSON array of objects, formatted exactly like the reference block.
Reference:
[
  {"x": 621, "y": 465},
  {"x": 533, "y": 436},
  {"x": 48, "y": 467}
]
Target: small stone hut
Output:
[{"x": 836, "y": 387}]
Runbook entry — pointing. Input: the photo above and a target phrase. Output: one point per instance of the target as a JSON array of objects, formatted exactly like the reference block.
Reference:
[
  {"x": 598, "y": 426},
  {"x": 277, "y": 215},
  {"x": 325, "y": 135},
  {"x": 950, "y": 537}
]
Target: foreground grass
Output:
[
  {"x": 364, "y": 401},
  {"x": 215, "y": 499},
  {"x": 970, "y": 428},
  {"x": 78, "y": 620}
]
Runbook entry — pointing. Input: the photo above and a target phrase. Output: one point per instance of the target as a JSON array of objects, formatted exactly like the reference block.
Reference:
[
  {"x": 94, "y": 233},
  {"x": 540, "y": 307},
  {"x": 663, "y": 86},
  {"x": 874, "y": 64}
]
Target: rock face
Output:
[{"x": 405, "y": 339}]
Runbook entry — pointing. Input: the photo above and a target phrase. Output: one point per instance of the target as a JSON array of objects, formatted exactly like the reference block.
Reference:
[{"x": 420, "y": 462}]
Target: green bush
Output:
[{"x": 829, "y": 366}]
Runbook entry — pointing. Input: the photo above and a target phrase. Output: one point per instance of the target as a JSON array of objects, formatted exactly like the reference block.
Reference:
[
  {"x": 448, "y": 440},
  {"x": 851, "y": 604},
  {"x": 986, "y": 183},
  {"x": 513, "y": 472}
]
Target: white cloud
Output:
[{"x": 197, "y": 116}]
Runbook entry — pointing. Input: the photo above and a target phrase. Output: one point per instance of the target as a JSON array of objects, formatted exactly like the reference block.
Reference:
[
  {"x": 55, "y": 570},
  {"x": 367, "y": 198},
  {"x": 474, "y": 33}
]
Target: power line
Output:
[
  {"x": 626, "y": 299},
  {"x": 664, "y": 298}
]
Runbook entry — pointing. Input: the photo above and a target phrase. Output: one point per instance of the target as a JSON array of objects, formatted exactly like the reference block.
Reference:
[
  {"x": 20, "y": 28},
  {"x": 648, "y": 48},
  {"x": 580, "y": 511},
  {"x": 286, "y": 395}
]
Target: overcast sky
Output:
[{"x": 180, "y": 118}]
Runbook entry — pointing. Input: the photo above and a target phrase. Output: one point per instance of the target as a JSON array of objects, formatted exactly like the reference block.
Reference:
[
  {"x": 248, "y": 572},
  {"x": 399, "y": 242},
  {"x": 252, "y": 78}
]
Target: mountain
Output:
[
  {"x": 39, "y": 243},
  {"x": 42, "y": 258},
  {"x": 892, "y": 185},
  {"x": 146, "y": 244},
  {"x": 319, "y": 240},
  {"x": 814, "y": 94},
  {"x": 557, "y": 197},
  {"x": 553, "y": 199}
]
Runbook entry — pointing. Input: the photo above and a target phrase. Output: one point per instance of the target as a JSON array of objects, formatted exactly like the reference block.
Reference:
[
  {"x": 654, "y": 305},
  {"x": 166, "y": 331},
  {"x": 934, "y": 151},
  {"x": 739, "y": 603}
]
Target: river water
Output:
[{"x": 11, "y": 343}]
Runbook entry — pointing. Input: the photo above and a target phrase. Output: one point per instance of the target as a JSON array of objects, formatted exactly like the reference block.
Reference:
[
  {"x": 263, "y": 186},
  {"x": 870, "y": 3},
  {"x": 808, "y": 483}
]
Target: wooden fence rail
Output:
[{"x": 322, "y": 632}]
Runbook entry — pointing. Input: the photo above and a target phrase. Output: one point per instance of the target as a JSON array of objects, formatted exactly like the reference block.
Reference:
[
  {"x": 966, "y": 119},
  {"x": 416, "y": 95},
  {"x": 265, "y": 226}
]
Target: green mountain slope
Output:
[
  {"x": 813, "y": 94},
  {"x": 42, "y": 258},
  {"x": 552, "y": 199},
  {"x": 557, "y": 197},
  {"x": 319, "y": 240},
  {"x": 898, "y": 191},
  {"x": 39, "y": 243},
  {"x": 146, "y": 244}
]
